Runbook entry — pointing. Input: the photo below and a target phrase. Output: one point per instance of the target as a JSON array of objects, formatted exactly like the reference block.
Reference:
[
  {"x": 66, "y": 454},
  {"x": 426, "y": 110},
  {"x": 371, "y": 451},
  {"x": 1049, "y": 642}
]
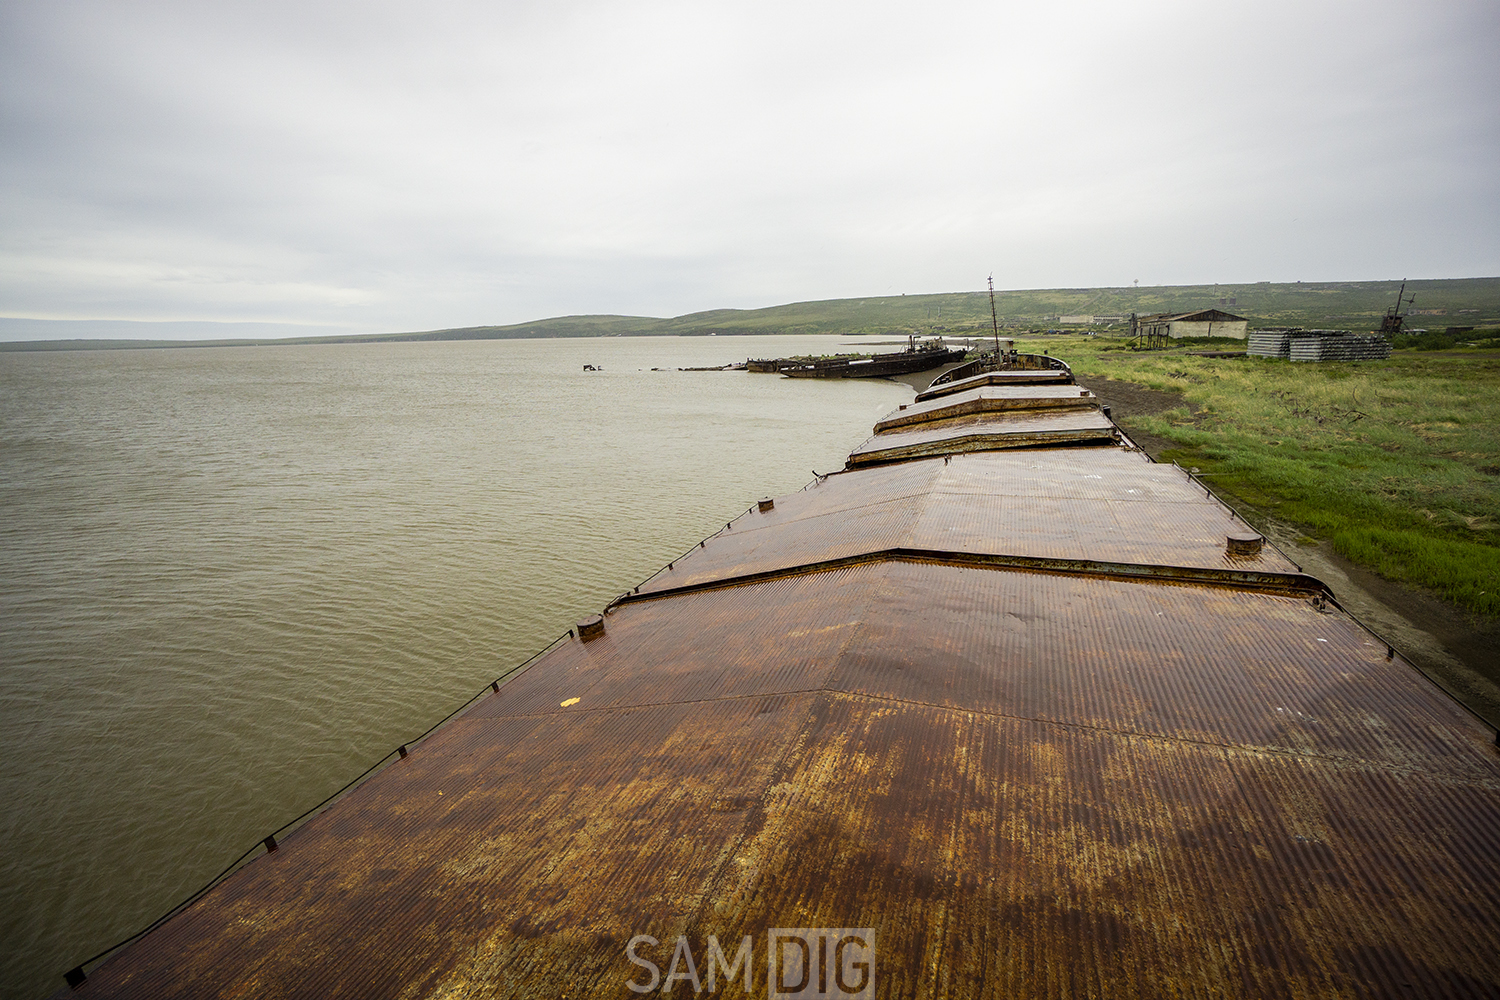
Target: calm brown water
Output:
[{"x": 231, "y": 579}]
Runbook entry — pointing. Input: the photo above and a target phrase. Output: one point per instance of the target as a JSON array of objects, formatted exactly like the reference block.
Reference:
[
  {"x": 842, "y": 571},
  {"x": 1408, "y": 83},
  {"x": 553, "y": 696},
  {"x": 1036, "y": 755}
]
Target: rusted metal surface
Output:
[
  {"x": 1019, "y": 376},
  {"x": 1099, "y": 504},
  {"x": 1232, "y": 576},
  {"x": 1002, "y": 733},
  {"x": 1007, "y": 362},
  {"x": 990, "y": 399},
  {"x": 1031, "y": 785},
  {"x": 916, "y": 359},
  {"x": 1244, "y": 543},
  {"x": 979, "y": 414},
  {"x": 986, "y": 432}
]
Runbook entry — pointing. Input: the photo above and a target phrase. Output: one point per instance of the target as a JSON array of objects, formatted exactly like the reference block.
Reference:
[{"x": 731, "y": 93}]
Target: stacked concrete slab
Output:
[
  {"x": 1318, "y": 345},
  {"x": 1269, "y": 343},
  {"x": 1343, "y": 347}
]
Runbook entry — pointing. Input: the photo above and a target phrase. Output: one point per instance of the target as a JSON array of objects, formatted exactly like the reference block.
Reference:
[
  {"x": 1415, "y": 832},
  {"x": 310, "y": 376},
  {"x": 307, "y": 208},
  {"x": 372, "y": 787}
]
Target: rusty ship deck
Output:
[{"x": 1044, "y": 714}]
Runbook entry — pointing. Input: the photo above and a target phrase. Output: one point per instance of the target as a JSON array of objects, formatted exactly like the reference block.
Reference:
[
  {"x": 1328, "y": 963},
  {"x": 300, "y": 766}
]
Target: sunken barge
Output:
[
  {"x": 1003, "y": 709},
  {"x": 916, "y": 358}
]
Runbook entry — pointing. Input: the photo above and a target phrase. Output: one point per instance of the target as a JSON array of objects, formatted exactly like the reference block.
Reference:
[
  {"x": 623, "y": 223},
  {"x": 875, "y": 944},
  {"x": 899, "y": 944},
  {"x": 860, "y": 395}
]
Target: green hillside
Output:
[
  {"x": 1342, "y": 305},
  {"x": 1337, "y": 305}
]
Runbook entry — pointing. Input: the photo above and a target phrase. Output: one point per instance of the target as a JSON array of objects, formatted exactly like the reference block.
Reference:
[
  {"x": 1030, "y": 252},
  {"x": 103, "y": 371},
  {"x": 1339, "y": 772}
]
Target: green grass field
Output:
[{"x": 1396, "y": 462}]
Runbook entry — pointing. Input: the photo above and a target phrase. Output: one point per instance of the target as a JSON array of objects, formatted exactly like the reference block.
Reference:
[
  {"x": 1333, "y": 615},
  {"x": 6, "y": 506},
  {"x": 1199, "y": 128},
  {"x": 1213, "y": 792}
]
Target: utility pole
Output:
[{"x": 994, "y": 320}]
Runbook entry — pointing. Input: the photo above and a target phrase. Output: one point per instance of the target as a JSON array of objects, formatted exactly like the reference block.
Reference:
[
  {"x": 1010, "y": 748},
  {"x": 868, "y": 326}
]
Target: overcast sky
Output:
[{"x": 380, "y": 166}]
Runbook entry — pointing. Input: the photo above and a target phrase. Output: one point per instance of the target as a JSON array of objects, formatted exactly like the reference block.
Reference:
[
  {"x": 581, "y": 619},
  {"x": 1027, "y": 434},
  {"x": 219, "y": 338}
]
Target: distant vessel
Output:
[{"x": 916, "y": 358}]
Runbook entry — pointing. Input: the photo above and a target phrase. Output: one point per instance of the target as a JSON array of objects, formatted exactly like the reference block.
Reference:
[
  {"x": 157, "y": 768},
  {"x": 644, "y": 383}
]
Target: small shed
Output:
[{"x": 1203, "y": 323}]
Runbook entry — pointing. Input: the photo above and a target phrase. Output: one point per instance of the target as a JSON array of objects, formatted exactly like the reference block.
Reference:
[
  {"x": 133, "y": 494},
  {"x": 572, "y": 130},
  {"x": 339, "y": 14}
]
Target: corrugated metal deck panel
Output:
[
  {"x": 1203, "y": 664},
  {"x": 799, "y": 542},
  {"x": 1034, "y": 376},
  {"x": 1017, "y": 779},
  {"x": 840, "y": 491},
  {"x": 1161, "y": 534},
  {"x": 835, "y": 493},
  {"x": 1103, "y": 504},
  {"x": 987, "y": 399},
  {"x": 498, "y": 868},
  {"x": 1105, "y": 473},
  {"x": 1011, "y": 858},
  {"x": 845, "y": 514},
  {"x": 800, "y": 627},
  {"x": 1099, "y": 473},
  {"x": 986, "y": 432}
]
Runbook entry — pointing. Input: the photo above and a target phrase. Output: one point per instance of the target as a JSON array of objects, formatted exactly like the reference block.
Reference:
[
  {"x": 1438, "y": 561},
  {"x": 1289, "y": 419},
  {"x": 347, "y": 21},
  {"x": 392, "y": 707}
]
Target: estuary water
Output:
[{"x": 232, "y": 578}]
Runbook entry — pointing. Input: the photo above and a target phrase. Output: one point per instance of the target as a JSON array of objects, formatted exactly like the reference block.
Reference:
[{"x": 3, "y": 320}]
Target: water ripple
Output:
[{"x": 232, "y": 578}]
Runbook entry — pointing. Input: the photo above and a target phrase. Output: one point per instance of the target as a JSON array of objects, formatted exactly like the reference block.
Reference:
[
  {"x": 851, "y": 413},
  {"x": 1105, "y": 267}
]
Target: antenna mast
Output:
[{"x": 994, "y": 320}]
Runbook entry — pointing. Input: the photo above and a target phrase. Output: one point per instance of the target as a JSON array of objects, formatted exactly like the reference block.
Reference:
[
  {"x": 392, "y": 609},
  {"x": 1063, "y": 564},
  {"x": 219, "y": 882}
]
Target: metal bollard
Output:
[
  {"x": 591, "y": 627},
  {"x": 1244, "y": 544}
]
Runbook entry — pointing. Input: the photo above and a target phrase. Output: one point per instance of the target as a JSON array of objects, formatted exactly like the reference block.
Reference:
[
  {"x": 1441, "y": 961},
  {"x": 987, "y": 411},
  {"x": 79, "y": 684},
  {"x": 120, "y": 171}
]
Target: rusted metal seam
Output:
[{"x": 1296, "y": 583}]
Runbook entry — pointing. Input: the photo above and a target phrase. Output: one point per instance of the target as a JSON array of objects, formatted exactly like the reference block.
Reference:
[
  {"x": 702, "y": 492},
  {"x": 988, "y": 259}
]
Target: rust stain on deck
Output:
[{"x": 1016, "y": 710}]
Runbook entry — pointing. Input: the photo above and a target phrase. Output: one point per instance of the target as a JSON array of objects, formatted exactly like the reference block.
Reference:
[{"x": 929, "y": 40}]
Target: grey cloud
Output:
[{"x": 383, "y": 167}]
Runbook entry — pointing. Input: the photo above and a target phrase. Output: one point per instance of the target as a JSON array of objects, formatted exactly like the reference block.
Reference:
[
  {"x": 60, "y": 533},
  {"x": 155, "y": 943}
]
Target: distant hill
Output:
[
  {"x": 1342, "y": 305},
  {"x": 1337, "y": 305}
]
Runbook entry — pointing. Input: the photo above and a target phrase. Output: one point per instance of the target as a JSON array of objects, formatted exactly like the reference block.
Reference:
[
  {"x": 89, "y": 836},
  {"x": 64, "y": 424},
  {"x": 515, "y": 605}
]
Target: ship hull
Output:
[{"x": 879, "y": 366}]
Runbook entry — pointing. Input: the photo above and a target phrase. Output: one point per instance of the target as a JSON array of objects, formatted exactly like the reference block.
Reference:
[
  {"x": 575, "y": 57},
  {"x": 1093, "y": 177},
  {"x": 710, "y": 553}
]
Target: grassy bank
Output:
[{"x": 1397, "y": 463}]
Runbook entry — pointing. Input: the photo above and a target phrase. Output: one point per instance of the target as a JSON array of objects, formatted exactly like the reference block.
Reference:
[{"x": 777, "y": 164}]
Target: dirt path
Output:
[{"x": 1460, "y": 653}]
